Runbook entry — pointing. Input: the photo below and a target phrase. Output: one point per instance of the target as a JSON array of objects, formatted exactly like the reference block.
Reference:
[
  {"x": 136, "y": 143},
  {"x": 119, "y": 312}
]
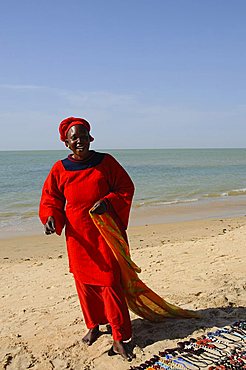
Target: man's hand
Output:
[
  {"x": 99, "y": 207},
  {"x": 49, "y": 227}
]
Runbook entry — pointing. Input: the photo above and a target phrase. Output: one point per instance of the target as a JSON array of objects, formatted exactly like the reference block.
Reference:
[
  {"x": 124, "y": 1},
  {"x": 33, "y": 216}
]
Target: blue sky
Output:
[{"x": 144, "y": 73}]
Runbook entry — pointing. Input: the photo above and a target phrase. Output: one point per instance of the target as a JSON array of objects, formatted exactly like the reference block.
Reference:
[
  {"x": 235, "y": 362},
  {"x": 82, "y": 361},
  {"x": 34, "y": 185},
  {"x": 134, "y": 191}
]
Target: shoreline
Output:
[
  {"x": 197, "y": 265},
  {"x": 226, "y": 207},
  {"x": 188, "y": 227},
  {"x": 190, "y": 211}
]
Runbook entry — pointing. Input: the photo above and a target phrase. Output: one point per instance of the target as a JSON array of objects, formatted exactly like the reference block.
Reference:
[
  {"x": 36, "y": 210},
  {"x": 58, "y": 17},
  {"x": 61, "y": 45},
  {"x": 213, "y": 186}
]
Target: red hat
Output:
[{"x": 71, "y": 121}]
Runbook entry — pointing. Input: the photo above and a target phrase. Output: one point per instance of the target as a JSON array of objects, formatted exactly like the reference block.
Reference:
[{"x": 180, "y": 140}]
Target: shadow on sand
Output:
[{"x": 146, "y": 333}]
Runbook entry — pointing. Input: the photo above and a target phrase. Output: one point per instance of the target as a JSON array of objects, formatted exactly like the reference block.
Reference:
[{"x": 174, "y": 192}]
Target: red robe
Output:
[{"x": 70, "y": 190}]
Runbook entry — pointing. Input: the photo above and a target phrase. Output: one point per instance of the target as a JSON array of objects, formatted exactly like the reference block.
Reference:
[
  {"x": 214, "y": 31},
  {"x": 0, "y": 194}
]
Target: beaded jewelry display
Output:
[{"x": 222, "y": 349}]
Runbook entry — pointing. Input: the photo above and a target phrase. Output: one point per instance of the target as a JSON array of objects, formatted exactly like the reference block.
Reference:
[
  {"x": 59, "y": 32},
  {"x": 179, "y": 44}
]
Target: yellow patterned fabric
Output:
[{"x": 140, "y": 299}]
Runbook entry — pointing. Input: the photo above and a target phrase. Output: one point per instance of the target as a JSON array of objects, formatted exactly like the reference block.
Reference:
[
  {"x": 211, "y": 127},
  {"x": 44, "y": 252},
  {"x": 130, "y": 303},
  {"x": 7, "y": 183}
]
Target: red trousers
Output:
[{"x": 105, "y": 304}]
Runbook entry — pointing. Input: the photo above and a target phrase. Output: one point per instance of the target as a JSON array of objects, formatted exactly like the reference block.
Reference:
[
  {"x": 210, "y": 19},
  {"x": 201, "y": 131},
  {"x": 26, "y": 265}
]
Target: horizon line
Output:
[{"x": 166, "y": 148}]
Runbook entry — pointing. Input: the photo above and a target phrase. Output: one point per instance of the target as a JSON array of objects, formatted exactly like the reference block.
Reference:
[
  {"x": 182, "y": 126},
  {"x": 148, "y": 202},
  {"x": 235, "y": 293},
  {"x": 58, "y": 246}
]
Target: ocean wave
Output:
[
  {"x": 229, "y": 193},
  {"x": 177, "y": 201},
  {"x": 236, "y": 192},
  {"x": 29, "y": 214},
  {"x": 18, "y": 215},
  {"x": 4, "y": 215},
  {"x": 158, "y": 203}
]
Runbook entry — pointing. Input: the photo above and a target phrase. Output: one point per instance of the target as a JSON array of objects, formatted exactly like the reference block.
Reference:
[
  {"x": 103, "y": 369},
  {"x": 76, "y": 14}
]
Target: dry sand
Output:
[{"x": 198, "y": 265}]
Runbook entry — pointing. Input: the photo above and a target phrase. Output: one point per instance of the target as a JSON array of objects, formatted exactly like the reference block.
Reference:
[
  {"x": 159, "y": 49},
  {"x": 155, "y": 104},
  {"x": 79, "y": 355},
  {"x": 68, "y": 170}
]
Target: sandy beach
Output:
[{"x": 198, "y": 265}]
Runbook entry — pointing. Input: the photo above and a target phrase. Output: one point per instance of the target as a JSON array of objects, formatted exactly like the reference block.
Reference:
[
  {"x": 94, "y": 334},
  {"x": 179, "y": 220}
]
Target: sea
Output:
[{"x": 164, "y": 178}]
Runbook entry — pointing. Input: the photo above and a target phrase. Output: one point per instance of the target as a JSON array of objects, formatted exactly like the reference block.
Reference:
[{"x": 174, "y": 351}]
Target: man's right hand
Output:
[{"x": 49, "y": 227}]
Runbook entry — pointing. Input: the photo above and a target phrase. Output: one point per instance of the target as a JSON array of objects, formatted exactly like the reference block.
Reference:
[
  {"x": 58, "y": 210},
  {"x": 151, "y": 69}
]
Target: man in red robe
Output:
[{"x": 87, "y": 179}]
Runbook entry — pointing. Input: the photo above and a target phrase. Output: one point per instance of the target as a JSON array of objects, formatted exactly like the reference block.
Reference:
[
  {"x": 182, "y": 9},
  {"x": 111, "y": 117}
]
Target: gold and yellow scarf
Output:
[{"x": 140, "y": 299}]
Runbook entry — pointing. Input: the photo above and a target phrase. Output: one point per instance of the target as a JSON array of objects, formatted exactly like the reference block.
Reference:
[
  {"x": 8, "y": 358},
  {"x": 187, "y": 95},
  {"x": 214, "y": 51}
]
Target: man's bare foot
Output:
[
  {"x": 91, "y": 336},
  {"x": 119, "y": 348}
]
